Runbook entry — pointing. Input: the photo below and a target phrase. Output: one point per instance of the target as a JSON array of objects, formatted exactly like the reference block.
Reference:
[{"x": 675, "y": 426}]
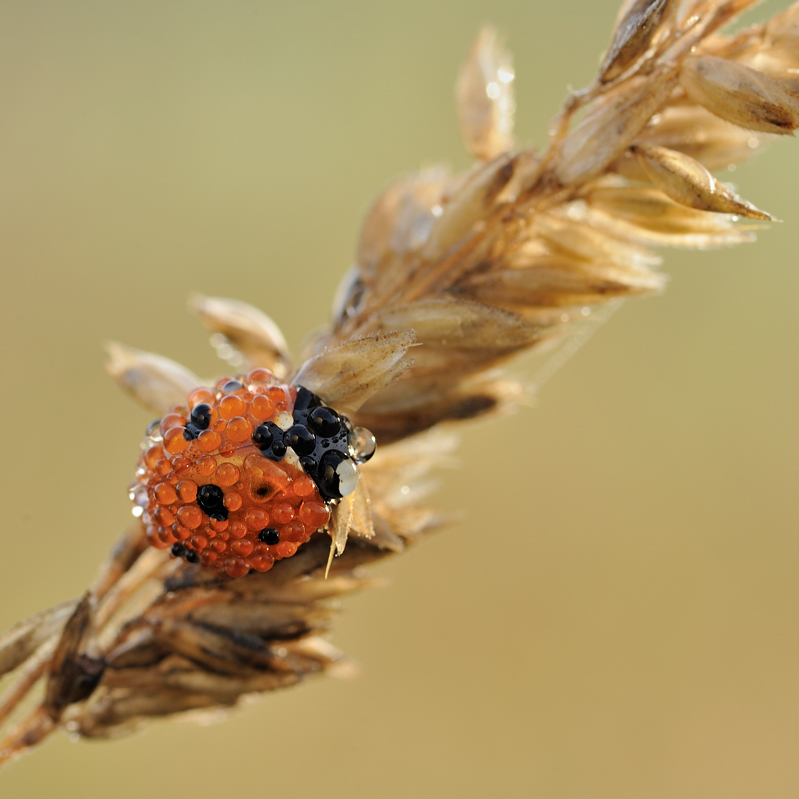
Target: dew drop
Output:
[{"x": 362, "y": 444}]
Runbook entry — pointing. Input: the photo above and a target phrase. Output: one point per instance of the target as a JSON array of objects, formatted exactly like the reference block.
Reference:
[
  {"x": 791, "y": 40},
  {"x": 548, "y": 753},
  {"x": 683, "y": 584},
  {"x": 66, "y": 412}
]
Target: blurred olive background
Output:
[{"x": 615, "y": 614}]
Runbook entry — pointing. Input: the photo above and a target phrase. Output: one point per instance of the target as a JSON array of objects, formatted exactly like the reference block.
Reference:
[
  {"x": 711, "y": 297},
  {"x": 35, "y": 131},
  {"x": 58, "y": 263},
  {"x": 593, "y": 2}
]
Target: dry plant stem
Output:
[
  {"x": 115, "y": 590},
  {"x": 150, "y": 565},
  {"x": 129, "y": 549},
  {"x": 32, "y": 672},
  {"x": 32, "y": 731},
  {"x": 455, "y": 276}
]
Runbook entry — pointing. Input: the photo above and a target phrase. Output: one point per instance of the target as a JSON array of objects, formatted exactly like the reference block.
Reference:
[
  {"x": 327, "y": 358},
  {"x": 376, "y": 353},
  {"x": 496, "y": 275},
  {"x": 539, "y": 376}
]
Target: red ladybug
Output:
[{"x": 244, "y": 473}]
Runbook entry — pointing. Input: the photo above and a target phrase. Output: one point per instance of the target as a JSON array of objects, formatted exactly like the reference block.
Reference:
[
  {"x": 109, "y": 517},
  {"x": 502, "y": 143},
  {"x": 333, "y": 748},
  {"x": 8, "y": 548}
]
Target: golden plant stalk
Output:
[{"x": 454, "y": 276}]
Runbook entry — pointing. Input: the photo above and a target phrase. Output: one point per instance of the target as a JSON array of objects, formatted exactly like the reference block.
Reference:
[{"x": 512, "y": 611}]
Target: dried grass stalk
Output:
[{"x": 454, "y": 276}]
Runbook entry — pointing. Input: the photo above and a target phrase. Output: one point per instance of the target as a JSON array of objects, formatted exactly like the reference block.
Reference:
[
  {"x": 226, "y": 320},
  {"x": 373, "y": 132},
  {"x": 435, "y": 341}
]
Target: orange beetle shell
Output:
[{"x": 211, "y": 495}]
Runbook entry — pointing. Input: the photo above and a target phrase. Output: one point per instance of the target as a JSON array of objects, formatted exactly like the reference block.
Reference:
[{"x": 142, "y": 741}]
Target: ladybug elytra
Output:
[{"x": 245, "y": 472}]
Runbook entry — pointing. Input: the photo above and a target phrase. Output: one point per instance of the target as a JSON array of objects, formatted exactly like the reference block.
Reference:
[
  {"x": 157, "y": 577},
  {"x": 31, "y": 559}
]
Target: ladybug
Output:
[{"x": 245, "y": 472}]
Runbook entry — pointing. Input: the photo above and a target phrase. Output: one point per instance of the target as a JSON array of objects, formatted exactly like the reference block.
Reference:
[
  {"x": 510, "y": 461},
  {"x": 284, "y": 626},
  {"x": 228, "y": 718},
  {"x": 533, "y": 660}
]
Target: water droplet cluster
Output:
[{"x": 243, "y": 474}]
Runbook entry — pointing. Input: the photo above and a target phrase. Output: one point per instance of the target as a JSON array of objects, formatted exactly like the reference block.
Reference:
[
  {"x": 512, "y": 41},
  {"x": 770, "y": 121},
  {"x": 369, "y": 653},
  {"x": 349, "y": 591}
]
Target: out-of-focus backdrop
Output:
[{"x": 615, "y": 614}]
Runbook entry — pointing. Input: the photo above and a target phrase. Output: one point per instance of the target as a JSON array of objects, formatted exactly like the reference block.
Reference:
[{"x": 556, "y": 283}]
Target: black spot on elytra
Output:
[
  {"x": 210, "y": 498},
  {"x": 269, "y": 536},
  {"x": 182, "y": 551},
  {"x": 300, "y": 439}
]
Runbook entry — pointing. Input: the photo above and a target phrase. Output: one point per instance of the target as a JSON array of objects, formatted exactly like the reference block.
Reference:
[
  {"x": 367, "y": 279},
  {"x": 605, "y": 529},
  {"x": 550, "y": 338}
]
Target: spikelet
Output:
[
  {"x": 244, "y": 336},
  {"x": 612, "y": 126},
  {"x": 156, "y": 382},
  {"x": 346, "y": 376},
  {"x": 466, "y": 207},
  {"x": 485, "y": 98},
  {"x": 557, "y": 282},
  {"x": 454, "y": 275},
  {"x": 400, "y": 221},
  {"x": 741, "y": 95},
  {"x": 635, "y": 30},
  {"x": 693, "y": 130},
  {"x": 647, "y": 215},
  {"x": 687, "y": 182}
]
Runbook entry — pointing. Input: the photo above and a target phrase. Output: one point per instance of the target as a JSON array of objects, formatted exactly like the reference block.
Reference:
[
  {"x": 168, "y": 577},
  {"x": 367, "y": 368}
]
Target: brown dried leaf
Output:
[
  {"x": 156, "y": 382},
  {"x": 687, "y": 182},
  {"x": 247, "y": 331},
  {"x": 740, "y": 95},
  {"x": 485, "y": 98},
  {"x": 610, "y": 127},
  {"x": 633, "y": 35},
  {"x": 347, "y": 375}
]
